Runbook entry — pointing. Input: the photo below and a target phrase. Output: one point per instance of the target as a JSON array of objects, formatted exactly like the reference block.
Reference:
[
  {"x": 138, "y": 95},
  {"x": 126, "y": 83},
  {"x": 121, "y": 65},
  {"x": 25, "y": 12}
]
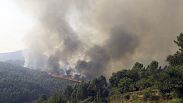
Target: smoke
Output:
[
  {"x": 100, "y": 37},
  {"x": 117, "y": 46},
  {"x": 53, "y": 37},
  {"x": 152, "y": 26}
]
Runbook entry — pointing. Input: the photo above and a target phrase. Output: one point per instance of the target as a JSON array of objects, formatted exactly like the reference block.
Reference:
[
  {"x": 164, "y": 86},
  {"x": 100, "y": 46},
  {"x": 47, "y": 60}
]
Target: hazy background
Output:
[{"x": 90, "y": 37}]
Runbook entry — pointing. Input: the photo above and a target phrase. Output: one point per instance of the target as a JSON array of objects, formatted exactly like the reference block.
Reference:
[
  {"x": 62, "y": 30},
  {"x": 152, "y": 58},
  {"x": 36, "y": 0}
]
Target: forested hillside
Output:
[
  {"x": 139, "y": 84},
  {"x": 23, "y": 85}
]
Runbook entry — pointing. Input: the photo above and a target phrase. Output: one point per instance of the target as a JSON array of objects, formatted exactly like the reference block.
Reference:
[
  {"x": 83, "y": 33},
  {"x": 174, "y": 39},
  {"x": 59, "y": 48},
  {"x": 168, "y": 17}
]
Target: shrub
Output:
[
  {"x": 147, "y": 94},
  {"x": 135, "y": 99},
  {"x": 127, "y": 96},
  {"x": 176, "y": 101}
]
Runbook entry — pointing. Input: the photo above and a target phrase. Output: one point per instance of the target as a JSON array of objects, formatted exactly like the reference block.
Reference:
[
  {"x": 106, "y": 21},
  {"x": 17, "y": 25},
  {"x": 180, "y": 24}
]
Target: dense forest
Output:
[
  {"x": 140, "y": 84},
  {"x": 23, "y": 85}
]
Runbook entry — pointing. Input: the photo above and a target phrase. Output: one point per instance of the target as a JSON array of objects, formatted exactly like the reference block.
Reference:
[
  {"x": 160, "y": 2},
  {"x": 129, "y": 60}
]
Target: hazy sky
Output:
[{"x": 14, "y": 25}]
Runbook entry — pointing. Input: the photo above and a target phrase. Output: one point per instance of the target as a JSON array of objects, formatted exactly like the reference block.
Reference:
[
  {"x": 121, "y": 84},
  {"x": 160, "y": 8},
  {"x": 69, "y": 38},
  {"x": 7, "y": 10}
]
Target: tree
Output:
[
  {"x": 68, "y": 92},
  {"x": 125, "y": 85},
  {"x": 144, "y": 83},
  {"x": 138, "y": 66},
  {"x": 57, "y": 98},
  {"x": 100, "y": 84},
  {"x": 92, "y": 91},
  {"x": 179, "y": 42},
  {"x": 176, "y": 79},
  {"x": 115, "y": 78},
  {"x": 42, "y": 99},
  {"x": 153, "y": 66},
  {"x": 82, "y": 92},
  {"x": 177, "y": 58}
]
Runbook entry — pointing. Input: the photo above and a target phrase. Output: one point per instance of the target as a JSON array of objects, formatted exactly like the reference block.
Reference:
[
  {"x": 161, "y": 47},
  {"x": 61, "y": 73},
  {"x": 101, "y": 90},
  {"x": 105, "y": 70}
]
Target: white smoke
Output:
[{"x": 100, "y": 37}]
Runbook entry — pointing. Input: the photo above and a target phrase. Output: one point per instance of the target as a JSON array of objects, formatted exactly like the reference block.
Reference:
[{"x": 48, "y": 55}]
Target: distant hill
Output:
[
  {"x": 23, "y": 85},
  {"x": 16, "y": 58},
  {"x": 17, "y": 55}
]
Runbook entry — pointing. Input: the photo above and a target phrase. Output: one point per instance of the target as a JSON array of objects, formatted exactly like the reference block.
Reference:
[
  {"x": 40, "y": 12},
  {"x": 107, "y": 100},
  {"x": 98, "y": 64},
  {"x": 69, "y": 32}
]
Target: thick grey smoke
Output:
[
  {"x": 116, "y": 46},
  {"x": 95, "y": 37},
  {"x": 54, "y": 36}
]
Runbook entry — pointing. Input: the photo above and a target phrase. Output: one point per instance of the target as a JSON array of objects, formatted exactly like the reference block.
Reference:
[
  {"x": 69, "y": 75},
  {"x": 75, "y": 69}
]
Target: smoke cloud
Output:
[{"x": 94, "y": 37}]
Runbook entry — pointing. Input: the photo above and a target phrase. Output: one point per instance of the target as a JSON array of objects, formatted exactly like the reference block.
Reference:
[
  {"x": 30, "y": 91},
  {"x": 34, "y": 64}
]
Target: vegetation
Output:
[
  {"x": 23, "y": 85},
  {"x": 176, "y": 101},
  {"x": 136, "y": 85},
  {"x": 140, "y": 84}
]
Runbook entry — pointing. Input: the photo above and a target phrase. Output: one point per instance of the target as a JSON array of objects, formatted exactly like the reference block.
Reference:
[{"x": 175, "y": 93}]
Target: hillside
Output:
[
  {"x": 17, "y": 55},
  {"x": 16, "y": 58},
  {"x": 23, "y": 85},
  {"x": 140, "y": 84}
]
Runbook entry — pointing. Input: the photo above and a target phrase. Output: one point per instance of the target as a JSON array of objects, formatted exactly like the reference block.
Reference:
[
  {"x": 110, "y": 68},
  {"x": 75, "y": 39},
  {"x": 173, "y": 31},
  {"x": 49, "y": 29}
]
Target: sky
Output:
[{"x": 15, "y": 24}]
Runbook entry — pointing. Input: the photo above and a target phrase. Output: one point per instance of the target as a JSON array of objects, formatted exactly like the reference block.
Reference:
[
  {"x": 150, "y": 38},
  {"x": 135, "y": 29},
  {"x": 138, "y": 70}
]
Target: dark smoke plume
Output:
[
  {"x": 95, "y": 37},
  {"x": 117, "y": 46}
]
